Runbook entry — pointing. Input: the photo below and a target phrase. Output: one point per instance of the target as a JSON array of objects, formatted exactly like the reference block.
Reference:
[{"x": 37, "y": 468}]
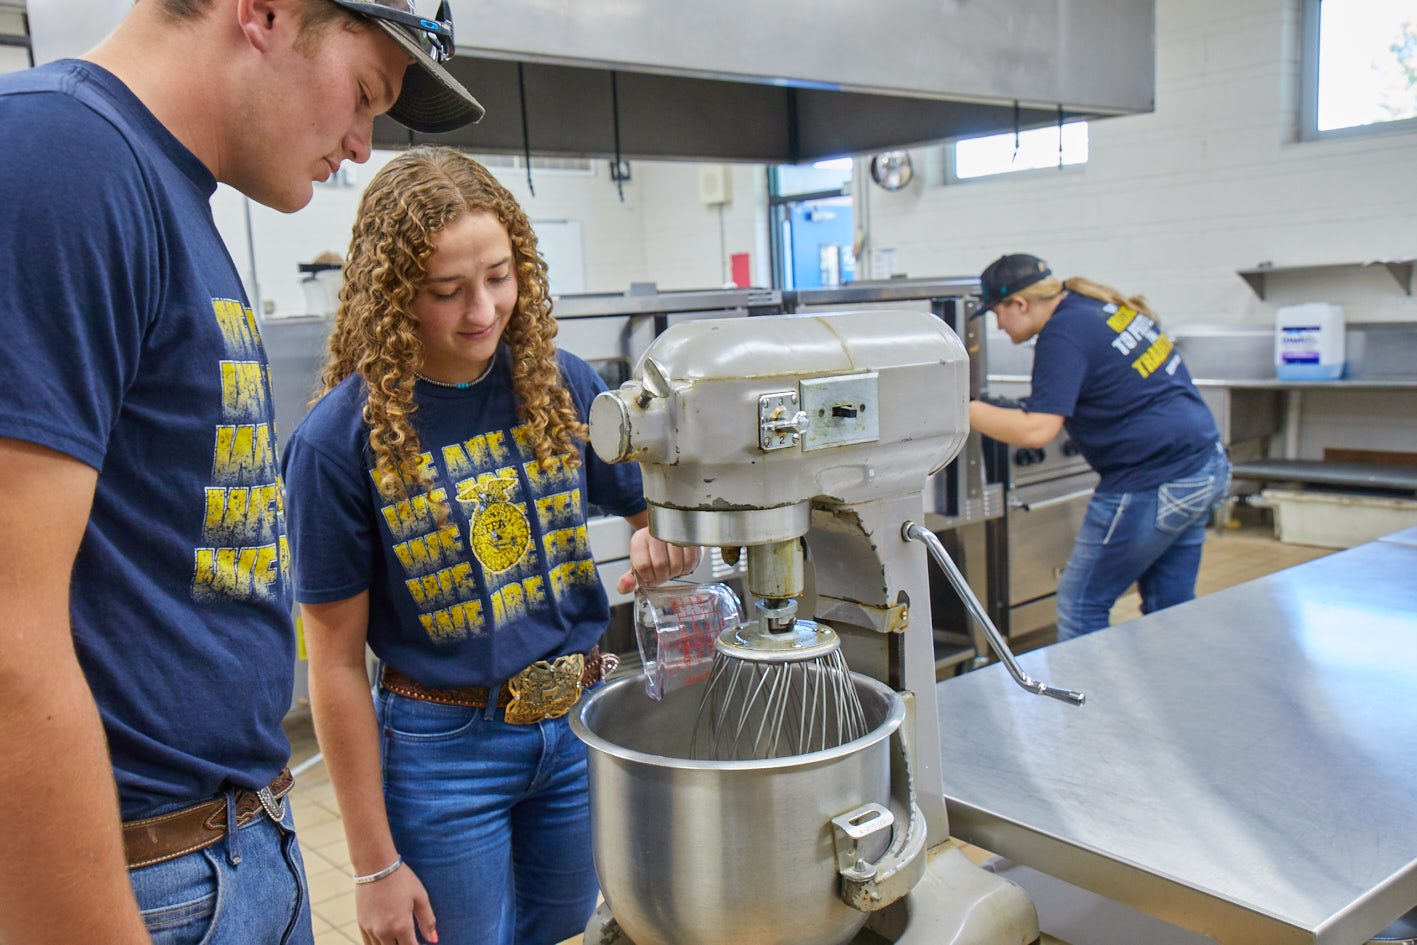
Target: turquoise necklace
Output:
[{"x": 462, "y": 386}]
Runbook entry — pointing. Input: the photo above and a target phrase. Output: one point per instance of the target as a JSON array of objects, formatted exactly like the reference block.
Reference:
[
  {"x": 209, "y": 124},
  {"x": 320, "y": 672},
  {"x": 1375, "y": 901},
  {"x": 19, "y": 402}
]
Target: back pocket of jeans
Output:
[{"x": 1181, "y": 503}]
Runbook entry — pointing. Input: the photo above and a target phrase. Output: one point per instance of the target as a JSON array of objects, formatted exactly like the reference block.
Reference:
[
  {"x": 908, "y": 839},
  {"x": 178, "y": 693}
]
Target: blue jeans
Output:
[
  {"x": 203, "y": 898},
  {"x": 494, "y": 818},
  {"x": 1152, "y": 538}
]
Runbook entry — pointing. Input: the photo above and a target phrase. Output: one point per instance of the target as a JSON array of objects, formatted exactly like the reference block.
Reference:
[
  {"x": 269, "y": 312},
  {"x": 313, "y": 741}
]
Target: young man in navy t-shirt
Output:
[
  {"x": 1103, "y": 368},
  {"x": 146, "y": 652}
]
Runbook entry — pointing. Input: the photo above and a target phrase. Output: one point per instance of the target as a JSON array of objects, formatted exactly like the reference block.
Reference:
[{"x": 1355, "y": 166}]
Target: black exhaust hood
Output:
[{"x": 786, "y": 81}]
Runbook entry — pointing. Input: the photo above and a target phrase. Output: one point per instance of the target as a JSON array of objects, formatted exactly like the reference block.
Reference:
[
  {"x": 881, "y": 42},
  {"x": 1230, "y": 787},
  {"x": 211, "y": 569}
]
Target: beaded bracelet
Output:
[{"x": 386, "y": 871}]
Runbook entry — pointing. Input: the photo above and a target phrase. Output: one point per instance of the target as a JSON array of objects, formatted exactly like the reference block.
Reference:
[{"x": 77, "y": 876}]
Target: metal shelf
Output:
[
  {"x": 651, "y": 301},
  {"x": 1399, "y": 269},
  {"x": 1274, "y": 383}
]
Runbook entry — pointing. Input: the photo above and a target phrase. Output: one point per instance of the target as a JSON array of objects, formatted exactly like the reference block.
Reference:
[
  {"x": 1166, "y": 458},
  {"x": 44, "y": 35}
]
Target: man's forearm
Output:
[{"x": 63, "y": 878}]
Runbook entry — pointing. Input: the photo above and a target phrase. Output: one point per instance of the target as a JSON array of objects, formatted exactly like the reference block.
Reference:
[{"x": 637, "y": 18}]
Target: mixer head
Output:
[{"x": 742, "y": 425}]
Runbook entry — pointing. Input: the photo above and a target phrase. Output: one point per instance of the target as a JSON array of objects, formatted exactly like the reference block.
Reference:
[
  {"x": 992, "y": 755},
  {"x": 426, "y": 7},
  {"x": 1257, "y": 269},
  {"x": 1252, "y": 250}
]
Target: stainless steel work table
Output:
[
  {"x": 1408, "y": 536},
  {"x": 1245, "y": 765}
]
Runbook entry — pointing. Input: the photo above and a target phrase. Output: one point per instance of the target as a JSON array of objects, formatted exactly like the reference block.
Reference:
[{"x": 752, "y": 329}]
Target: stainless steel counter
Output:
[
  {"x": 1408, "y": 536},
  {"x": 1245, "y": 765},
  {"x": 1268, "y": 383},
  {"x": 708, "y": 302},
  {"x": 1274, "y": 383}
]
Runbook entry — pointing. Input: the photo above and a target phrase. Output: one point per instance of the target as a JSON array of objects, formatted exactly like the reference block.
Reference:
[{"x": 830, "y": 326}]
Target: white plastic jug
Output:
[
  {"x": 1308, "y": 342},
  {"x": 321, "y": 283}
]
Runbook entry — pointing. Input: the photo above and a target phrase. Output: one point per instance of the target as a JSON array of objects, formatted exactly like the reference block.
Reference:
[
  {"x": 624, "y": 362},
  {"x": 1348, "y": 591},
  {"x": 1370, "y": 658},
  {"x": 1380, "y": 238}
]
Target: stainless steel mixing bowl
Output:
[{"x": 698, "y": 852}]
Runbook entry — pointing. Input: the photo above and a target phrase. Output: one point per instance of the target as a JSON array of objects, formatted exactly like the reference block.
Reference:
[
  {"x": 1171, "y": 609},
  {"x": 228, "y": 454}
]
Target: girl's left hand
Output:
[{"x": 653, "y": 561}]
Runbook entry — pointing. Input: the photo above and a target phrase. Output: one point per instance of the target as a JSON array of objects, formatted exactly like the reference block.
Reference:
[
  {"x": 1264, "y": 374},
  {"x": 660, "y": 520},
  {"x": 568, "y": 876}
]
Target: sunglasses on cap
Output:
[{"x": 435, "y": 36}]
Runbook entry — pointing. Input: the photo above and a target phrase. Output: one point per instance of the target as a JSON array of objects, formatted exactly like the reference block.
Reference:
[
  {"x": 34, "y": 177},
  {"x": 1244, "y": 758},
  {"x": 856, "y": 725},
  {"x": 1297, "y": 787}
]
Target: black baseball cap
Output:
[
  {"x": 1007, "y": 275},
  {"x": 431, "y": 100}
]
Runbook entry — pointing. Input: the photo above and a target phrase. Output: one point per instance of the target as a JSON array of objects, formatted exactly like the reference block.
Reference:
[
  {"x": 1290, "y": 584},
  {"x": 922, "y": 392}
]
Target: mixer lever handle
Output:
[{"x": 913, "y": 532}]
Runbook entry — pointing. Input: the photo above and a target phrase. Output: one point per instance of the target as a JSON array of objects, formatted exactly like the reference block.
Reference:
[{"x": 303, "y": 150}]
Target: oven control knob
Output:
[
  {"x": 1070, "y": 448},
  {"x": 1023, "y": 457},
  {"x": 1039, "y": 455}
]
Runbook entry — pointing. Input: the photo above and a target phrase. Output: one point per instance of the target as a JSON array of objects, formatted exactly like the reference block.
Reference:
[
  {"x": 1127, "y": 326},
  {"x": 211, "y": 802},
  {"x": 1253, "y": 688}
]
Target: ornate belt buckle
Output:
[
  {"x": 275, "y": 809},
  {"x": 545, "y": 690}
]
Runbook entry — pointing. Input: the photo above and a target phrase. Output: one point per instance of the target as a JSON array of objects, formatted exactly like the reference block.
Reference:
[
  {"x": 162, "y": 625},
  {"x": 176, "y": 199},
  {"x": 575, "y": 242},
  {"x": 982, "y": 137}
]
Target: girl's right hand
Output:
[{"x": 386, "y": 909}]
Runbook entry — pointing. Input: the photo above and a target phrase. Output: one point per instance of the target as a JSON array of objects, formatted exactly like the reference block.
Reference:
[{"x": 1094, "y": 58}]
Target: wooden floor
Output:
[{"x": 1232, "y": 556}]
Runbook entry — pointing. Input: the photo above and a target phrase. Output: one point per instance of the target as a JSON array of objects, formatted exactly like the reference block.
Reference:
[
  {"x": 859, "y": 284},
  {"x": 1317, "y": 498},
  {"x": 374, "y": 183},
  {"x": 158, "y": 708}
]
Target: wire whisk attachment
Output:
[{"x": 775, "y": 695}]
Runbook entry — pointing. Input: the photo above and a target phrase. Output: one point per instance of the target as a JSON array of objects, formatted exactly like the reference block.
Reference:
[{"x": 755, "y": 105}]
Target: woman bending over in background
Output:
[{"x": 1103, "y": 368}]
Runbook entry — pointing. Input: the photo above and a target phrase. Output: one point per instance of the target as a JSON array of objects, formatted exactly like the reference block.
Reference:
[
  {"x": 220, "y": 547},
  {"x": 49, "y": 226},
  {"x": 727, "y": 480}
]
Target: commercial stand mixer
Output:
[{"x": 808, "y": 441}]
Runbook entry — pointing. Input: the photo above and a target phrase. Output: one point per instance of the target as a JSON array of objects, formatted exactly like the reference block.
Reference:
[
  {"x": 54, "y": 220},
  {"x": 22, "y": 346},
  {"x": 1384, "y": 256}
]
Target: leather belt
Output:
[
  {"x": 179, "y": 832},
  {"x": 547, "y": 689}
]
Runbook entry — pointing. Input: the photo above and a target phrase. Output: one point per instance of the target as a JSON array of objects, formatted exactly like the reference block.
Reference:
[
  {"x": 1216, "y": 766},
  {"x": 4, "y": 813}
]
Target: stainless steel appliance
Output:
[
  {"x": 964, "y": 504},
  {"x": 295, "y": 350},
  {"x": 1048, "y": 491},
  {"x": 611, "y": 331},
  {"x": 1247, "y": 775},
  {"x": 683, "y": 80},
  {"x": 805, "y": 439},
  {"x": 959, "y": 494}
]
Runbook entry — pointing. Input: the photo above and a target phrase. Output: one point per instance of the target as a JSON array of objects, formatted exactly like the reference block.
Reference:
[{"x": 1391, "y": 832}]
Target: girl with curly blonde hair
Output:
[{"x": 437, "y": 497}]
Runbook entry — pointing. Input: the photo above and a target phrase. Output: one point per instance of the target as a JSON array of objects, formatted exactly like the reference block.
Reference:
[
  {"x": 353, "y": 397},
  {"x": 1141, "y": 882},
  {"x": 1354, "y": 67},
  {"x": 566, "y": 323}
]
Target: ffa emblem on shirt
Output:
[{"x": 500, "y": 532}]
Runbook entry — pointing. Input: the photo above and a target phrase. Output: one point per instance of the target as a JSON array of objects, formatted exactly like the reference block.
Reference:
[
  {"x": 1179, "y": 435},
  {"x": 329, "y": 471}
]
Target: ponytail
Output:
[
  {"x": 1051, "y": 288},
  {"x": 1105, "y": 293}
]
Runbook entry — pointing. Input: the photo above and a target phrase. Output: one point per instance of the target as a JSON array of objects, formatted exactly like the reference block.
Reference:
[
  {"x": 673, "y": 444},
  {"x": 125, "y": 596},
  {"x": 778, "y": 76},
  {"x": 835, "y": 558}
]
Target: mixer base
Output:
[{"x": 955, "y": 903}]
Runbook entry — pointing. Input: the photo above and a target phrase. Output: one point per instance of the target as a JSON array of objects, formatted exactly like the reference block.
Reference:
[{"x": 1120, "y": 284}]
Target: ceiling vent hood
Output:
[{"x": 786, "y": 81}]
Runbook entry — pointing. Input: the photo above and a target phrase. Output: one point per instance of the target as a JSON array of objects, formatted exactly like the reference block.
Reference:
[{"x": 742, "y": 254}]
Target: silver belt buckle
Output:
[{"x": 275, "y": 809}]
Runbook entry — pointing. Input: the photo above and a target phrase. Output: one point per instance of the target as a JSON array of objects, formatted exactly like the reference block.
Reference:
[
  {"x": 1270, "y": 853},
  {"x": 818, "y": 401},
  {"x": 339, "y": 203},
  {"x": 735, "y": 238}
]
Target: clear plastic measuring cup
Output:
[{"x": 676, "y": 624}]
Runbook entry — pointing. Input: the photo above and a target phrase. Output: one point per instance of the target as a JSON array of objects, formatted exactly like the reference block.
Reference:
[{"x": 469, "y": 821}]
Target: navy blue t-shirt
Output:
[
  {"x": 507, "y": 579},
  {"x": 1125, "y": 395},
  {"x": 130, "y": 347}
]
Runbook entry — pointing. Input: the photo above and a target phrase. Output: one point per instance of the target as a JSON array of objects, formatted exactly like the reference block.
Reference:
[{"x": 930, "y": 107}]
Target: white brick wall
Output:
[
  {"x": 662, "y": 232},
  {"x": 687, "y": 243},
  {"x": 613, "y": 232},
  {"x": 1171, "y": 203}
]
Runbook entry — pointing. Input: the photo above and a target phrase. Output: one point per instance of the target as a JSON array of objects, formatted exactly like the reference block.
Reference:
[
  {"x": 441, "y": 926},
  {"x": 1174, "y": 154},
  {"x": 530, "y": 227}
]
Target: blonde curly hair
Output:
[{"x": 408, "y": 203}]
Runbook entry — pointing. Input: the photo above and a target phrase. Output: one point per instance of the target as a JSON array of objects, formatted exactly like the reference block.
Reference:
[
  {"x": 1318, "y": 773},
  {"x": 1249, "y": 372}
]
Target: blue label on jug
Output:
[{"x": 1299, "y": 345}]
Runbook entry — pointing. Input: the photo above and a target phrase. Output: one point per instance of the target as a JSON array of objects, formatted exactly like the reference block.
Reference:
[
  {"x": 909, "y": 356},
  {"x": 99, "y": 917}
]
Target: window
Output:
[
  {"x": 1030, "y": 150},
  {"x": 1359, "y": 67}
]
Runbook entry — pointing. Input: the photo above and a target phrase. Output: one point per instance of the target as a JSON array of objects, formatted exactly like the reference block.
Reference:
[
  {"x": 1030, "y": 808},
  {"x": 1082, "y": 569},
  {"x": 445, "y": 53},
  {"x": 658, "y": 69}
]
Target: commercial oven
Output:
[{"x": 1048, "y": 491}]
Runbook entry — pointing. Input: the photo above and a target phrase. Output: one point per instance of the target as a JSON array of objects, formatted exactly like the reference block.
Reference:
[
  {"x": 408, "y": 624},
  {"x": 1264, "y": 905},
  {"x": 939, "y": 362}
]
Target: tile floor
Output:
[{"x": 1232, "y": 556}]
